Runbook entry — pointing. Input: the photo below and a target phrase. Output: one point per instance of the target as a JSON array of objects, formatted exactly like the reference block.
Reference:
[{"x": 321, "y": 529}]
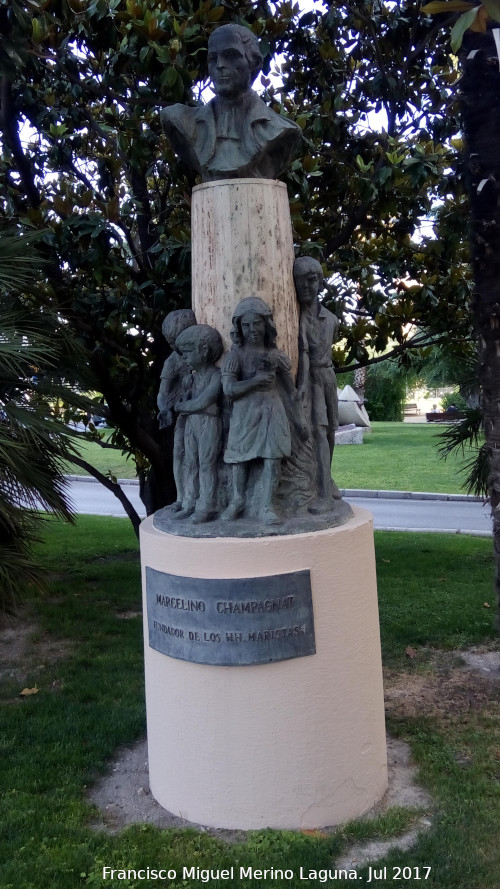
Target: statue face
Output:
[
  {"x": 194, "y": 354},
  {"x": 228, "y": 66},
  {"x": 253, "y": 329},
  {"x": 307, "y": 287}
]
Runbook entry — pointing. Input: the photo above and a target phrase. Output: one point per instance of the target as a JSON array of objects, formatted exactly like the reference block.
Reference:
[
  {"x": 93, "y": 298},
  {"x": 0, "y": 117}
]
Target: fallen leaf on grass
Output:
[
  {"x": 387, "y": 560},
  {"x": 26, "y": 692},
  {"x": 410, "y": 652},
  {"x": 486, "y": 605},
  {"x": 314, "y": 833}
]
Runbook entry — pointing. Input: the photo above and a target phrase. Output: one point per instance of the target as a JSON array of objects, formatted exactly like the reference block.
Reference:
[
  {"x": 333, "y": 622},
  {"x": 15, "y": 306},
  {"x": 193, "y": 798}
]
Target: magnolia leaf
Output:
[
  {"x": 37, "y": 30},
  {"x": 215, "y": 14},
  {"x": 479, "y": 25},
  {"x": 170, "y": 76},
  {"x": 459, "y": 28},
  {"x": 493, "y": 9},
  {"x": 26, "y": 692},
  {"x": 410, "y": 652},
  {"x": 437, "y": 6}
]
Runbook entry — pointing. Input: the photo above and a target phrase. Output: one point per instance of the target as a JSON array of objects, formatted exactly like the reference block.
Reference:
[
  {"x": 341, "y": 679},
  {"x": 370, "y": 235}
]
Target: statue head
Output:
[
  {"x": 175, "y": 322},
  {"x": 200, "y": 345},
  {"x": 234, "y": 60},
  {"x": 308, "y": 277},
  {"x": 253, "y": 306}
]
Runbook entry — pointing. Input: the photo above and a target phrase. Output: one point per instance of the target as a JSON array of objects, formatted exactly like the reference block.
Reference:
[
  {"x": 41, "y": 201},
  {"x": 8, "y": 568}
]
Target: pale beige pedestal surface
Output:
[
  {"x": 242, "y": 245},
  {"x": 294, "y": 744}
]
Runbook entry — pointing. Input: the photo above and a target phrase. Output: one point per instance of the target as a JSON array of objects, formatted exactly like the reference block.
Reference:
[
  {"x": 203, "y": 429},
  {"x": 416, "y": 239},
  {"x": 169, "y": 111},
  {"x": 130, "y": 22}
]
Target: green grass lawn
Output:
[
  {"x": 394, "y": 456},
  {"x": 106, "y": 460},
  {"x": 397, "y": 457},
  {"x": 90, "y": 700}
]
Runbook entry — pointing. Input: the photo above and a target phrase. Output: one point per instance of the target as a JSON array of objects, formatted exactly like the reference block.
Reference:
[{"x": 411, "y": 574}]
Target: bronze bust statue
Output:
[{"x": 235, "y": 135}]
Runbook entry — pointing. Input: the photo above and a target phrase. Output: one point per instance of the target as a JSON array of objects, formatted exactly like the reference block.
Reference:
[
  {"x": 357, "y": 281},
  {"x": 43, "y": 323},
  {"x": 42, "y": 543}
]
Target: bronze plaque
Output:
[{"x": 250, "y": 620}]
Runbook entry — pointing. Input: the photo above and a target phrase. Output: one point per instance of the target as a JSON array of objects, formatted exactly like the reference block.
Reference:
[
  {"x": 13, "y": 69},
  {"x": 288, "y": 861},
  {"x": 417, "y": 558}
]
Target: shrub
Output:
[
  {"x": 385, "y": 391},
  {"x": 454, "y": 398}
]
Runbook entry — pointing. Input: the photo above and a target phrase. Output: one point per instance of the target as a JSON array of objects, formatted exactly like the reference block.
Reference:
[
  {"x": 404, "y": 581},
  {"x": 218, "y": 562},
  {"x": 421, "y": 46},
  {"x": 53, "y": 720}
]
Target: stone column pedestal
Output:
[
  {"x": 242, "y": 245},
  {"x": 298, "y": 743}
]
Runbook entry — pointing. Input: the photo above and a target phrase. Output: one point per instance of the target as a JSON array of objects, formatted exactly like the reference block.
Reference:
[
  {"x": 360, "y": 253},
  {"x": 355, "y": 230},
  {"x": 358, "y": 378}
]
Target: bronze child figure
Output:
[
  {"x": 201, "y": 346},
  {"x": 256, "y": 378},
  {"x": 316, "y": 380},
  {"x": 174, "y": 382}
]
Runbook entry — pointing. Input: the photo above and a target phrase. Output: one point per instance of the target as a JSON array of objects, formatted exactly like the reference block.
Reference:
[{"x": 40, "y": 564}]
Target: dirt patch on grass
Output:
[
  {"x": 24, "y": 649},
  {"x": 128, "y": 614},
  {"x": 123, "y": 796},
  {"x": 444, "y": 686},
  {"x": 110, "y": 558},
  {"x": 449, "y": 685}
]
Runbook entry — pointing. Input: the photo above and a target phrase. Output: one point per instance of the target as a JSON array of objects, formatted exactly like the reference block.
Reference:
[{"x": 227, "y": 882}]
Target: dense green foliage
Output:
[
  {"x": 83, "y": 156},
  {"x": 34, "y": 445},
  {"x": 385, "y": 391},
  {"x": 453, "y": 399}
]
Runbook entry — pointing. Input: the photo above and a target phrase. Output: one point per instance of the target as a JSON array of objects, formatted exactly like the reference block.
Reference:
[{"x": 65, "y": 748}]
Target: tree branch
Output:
[
  {"x": 416, "y": 343},
  {"x": 443, "y": 24},
  {"x": 112, "y": 486},
  {"x": 140, "y": 191},
  {"x": 8, "y": 125}
]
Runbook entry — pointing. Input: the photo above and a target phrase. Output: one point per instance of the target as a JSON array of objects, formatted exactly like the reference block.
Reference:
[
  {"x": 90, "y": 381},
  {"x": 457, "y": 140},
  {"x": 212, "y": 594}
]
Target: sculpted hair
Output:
[
  {"x": 202, "y": 334},
  {"x": 305, "y": 264},
  {"x": 177, "y": 321},
  {"x": 258, "y": 307},
  {"x": 249, "y": 43}
]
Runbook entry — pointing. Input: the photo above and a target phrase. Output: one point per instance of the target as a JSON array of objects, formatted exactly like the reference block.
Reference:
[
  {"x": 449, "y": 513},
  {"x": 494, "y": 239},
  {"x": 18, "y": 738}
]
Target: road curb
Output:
[
  {"x": 409, "y": 495},
  {"x": 460, "y": 532},
  {"x": 369, "y": 497},
  {"x": 90, "y": 478},
  {"x": 346, "y": 492}
]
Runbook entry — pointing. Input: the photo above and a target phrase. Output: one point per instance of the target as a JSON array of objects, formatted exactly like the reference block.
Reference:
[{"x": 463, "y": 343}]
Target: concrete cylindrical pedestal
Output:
[
  {"x": 242, "y": 245},
  {"x": 298, "y": 743}
]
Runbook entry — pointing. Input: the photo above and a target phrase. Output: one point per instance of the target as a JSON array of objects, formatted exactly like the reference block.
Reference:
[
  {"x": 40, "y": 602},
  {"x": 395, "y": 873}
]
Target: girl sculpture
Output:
[{"x": 256, "y": 379}]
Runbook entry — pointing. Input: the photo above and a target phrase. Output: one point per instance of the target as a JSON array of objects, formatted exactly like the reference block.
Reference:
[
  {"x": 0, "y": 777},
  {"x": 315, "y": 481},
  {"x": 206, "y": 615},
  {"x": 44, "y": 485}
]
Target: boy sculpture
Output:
[
  {"x": 235, "y": 135},
  {"x": 175, "y": 381},
  {"x": 316, "y": 380},
  {"x": 200, "y": 347}
]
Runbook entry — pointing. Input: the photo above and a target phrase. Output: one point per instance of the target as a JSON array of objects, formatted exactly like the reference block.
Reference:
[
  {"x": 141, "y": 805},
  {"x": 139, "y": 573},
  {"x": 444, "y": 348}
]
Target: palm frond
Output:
[
  {"x": 476, "y": 471},
  {"x": 464, "y": 433},
  {"x": 34, "y": 445},
  {"x": 468, "y": 434},
  {"x": 19, "y": 263}
]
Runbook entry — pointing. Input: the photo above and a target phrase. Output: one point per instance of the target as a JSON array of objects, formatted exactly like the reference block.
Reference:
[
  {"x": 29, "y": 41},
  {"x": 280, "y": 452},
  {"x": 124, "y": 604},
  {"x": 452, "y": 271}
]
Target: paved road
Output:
[
  {"x": 389, "y": 513},
  {"x": 468, "y": 517}
]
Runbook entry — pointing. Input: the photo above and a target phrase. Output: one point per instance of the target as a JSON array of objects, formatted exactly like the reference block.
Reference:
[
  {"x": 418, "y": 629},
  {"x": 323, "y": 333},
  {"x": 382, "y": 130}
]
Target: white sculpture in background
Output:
[{"x": 351, "y": 409}]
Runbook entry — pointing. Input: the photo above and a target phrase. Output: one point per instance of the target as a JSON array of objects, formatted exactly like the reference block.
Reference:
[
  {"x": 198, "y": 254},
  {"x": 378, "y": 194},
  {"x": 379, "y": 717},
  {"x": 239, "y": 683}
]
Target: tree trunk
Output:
[
  {"x": 156, "y": 483},
  {"x": 359, "y": 382},
  {"x": 480, "y": 99}
]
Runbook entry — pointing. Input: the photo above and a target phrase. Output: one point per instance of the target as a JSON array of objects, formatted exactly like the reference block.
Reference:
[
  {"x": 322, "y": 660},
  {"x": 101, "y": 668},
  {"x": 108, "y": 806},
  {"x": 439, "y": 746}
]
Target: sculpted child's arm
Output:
[
  {"x": 234, "y": 389},
  {"x": 304, "y": 366},
  {"x": 201, "y": 402},
  {"x": 170, "y": 387},
  {"x": 292, "y": 397}
]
